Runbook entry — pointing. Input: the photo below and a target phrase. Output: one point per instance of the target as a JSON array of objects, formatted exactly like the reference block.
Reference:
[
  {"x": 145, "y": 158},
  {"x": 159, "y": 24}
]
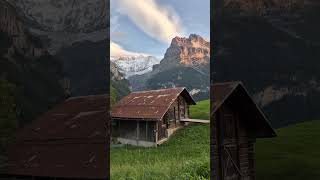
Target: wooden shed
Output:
[
  {"x": 148, "y": 118},
  {"x": 236, "y": 123}
]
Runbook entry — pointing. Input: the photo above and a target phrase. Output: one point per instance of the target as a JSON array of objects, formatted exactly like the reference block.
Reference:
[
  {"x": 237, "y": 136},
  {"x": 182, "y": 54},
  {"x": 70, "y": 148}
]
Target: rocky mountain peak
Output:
[
  {"x": 193, "y": 50},
  {"x": 191, "y": 41}
]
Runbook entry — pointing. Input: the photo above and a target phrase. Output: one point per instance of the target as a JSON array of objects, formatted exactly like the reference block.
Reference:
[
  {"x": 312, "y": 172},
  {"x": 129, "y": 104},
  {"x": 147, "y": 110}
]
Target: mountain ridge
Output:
[
  {"x": 186, "y": 63},
  {"x": 134, "y": 65}
]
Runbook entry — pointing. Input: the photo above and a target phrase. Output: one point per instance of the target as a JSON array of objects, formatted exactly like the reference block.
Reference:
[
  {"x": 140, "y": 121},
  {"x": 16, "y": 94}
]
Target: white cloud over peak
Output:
[
  {"x": 117, "y": 50},
  {"x": 159, "y": 22}
]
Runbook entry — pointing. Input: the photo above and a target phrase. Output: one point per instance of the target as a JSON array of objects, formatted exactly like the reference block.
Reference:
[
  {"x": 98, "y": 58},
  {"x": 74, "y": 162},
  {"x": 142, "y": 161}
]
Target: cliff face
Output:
[
  {"x": 191, "y": 51},
  {"x": 273, "y": 47},
  {"x": 64, "y": 15},
  {"x": 73, "y": 31},
  {"x": 64, "y": 22},
  {"x": 27, "y": 65},
  {"x": 185, "y": 63},
  {"x": 264, "y": 7},
  {"x": 22, "y": 42}
]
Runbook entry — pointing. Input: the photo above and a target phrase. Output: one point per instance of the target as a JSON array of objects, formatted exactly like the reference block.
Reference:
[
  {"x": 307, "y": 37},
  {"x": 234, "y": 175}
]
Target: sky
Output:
[{"x": 148, "y": 26}]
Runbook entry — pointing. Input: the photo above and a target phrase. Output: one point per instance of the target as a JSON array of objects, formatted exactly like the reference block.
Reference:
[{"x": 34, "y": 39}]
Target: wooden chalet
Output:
[
  {"x": 70, "y": 141},
  {"x": 148, "y": 118},
  {"x": 236, "y": 122}
]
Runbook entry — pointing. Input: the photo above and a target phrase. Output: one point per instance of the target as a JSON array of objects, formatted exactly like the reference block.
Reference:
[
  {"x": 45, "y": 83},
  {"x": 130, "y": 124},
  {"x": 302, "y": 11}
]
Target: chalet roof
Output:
[
  {"x": 69, "y": 141},
  {"x": 235, "y": 94},
  {"x": 149, "y": 105}
]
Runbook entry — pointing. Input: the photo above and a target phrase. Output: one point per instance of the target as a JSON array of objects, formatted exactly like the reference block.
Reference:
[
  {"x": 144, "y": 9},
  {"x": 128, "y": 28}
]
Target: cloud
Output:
[
  {"x": 157, "y": 21},
  {"x": 117, "y": 50}
]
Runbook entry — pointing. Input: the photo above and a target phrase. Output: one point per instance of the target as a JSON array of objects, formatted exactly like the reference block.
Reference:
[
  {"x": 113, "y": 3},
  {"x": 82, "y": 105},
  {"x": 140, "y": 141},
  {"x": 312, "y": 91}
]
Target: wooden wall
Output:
[
  {"x": 135, "y": 130},
  {"x": 145, "y": 130},
  {"x": 178, "y": 110},
  {"x": 230, "y": 140}
]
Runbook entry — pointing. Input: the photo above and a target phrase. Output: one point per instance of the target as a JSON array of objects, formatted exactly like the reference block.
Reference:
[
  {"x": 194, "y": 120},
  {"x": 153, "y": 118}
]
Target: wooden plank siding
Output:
[
  {"x": 231, "y": 141},
  {"x": 171, "y": 119},
  {"x": 135, "y": 130},
  {"x": 236, "y": 122}
]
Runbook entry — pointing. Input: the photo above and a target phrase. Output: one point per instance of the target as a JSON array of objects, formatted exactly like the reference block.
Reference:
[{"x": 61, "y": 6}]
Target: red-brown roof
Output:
[
  {"x": 69, "y": 141},
  {"x": 149, "y": 105},
  {"x": 235, "y": 94},
  {"x": 220, "y": 91}
]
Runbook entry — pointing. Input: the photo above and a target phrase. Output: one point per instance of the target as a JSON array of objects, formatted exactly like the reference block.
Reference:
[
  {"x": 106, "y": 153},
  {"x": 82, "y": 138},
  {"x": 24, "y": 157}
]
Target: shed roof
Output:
[
  {"x": 69, "y": 141},
  {"x": 149, "y": 105},
  {"x": 236, "y": 95}
]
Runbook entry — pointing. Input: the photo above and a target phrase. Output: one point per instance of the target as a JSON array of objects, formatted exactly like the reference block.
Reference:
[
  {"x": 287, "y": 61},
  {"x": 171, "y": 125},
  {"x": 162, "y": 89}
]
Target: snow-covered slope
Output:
[{"x": 134, "y": 65}]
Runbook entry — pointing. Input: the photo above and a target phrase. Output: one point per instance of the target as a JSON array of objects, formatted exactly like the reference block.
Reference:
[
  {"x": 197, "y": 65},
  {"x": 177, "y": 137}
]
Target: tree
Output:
[{"x": 113, "y": 95}]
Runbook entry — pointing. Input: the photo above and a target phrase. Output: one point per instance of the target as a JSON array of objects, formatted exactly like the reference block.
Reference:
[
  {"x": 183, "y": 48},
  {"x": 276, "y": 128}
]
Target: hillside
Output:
[
  {"x": 201, "y": 110},
  {"x": 293, "y": 155},
  {"x": 185, "y": 63},
  {"x": 184, "y": 156},
  {"x": 75, "y": 32},
  {"x": 62, "y": 23},
  {"x": 278, "y": 68},
  {"x": 30, "y": 78},
  {"x": 25, "y": 63}
]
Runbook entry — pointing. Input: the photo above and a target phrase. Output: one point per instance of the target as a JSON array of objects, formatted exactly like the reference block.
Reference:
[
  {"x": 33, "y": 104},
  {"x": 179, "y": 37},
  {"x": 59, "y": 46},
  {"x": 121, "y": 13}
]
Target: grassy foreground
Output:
[
  {"x": 184, "y": 156},
  {"x": 294, "y": 154},
  {"x": 201, "y": 110}
]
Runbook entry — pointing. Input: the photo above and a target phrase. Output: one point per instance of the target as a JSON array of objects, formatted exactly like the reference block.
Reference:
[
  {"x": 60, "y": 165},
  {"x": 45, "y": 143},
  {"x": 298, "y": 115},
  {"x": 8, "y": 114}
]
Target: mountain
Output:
[
  {"x": 64, "y": 22},
  {"x": 35, "y": 77},
  {"x": 119, "y": 86},
  {"x": 263, "y": 7},
  {"x": 276, "y": 56},
  {"x": 185, "y": 63},
  {"x": 134, "y": 65},
  {"x": 191, "y": 52},
  {"x": 22, "y": 41},
  {"x": 76, "y": 33}
]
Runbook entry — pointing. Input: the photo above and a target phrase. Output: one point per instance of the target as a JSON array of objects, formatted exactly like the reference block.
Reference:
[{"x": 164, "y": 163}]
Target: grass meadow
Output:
[
  {"x": 294, "y": 154},
  {"x": 184, "y": 156}
]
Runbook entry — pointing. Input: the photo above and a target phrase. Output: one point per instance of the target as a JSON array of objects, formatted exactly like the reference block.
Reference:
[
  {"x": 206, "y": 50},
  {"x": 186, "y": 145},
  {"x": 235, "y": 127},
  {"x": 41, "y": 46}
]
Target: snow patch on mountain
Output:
[{"x": 134, "y": 65}]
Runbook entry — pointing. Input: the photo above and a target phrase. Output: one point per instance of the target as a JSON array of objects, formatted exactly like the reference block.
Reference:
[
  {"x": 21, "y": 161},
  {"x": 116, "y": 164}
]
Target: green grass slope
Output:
[
  {"x": 294, "y": 154},
  {"x": 201, "y": 110},
  {"x": 184, "y": 156}
]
